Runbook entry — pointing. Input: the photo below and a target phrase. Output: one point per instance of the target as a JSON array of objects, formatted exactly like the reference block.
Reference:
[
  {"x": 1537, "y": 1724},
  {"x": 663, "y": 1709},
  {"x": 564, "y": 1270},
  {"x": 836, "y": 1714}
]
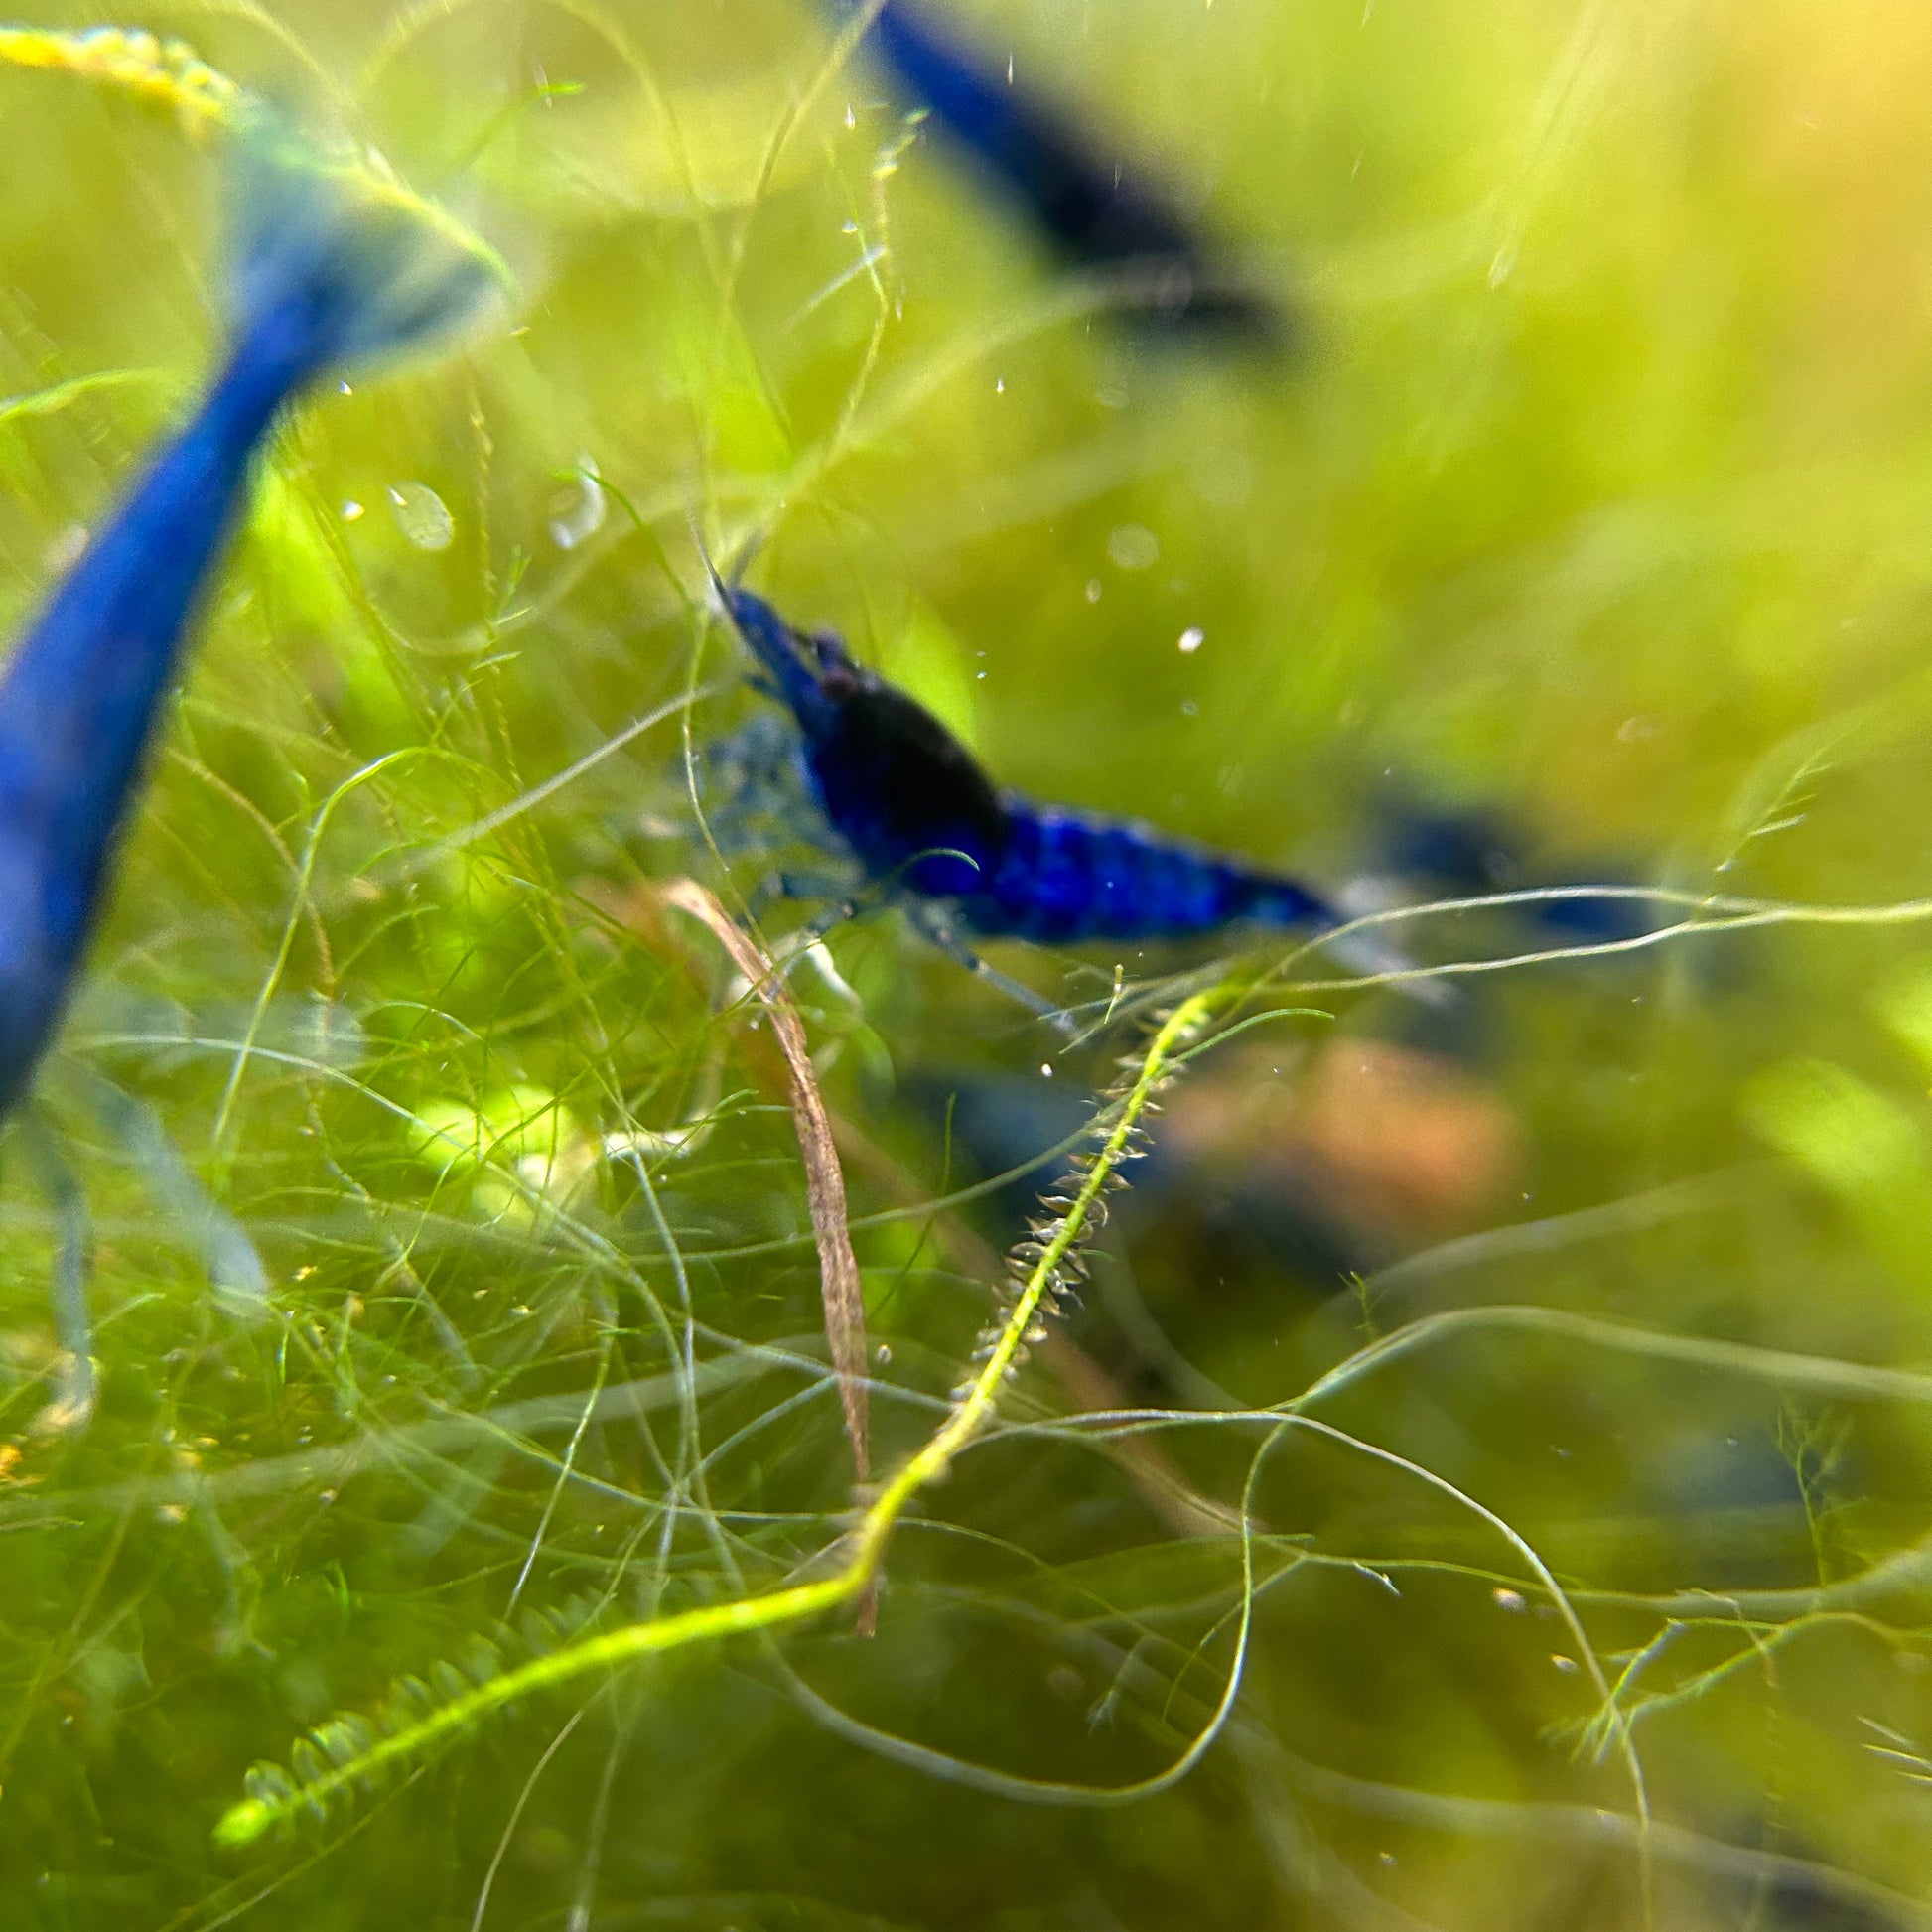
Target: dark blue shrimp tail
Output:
[
  {"x": 321, "y": 279},
  {"x": 1064, "y": 877},
  {"x": 1284, "y": 903}
]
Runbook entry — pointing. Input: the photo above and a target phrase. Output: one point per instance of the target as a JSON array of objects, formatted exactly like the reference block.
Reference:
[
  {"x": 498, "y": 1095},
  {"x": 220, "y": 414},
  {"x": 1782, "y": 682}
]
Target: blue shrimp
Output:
[
  {"x": 924, "y": 823},
  {"x": 335, "y": 267},
  {"x": 1097, "y": 213}
]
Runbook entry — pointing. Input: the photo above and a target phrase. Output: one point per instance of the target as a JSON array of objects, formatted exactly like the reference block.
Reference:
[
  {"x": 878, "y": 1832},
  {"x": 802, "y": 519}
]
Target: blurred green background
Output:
[{"x": 451, "y": 1262}]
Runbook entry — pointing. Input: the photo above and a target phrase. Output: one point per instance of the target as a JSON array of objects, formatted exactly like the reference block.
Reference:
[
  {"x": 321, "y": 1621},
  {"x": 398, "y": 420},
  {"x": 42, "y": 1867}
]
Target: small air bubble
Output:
[
  {"x": 999, "y": 385},
  {"x": 579, "y": 512},
  {"x": 1568, "y": 1665},
  {"x": 1188, "y": 708},
  {"x": 1191, "y": 640},
  {"x": 1133, "y": 546},
  {"x": 1045, "y": 1070},
  {"x": 353, "y": 511},
  {"x": 423, "y": 517},
  {"x": 1508, "y": 1599},
  {"x": 345, "y": 388},
  {"x": 1093, "y": 590},
  {"x": 851, "y": 120},
  {"x": 882, "y": 1354}
]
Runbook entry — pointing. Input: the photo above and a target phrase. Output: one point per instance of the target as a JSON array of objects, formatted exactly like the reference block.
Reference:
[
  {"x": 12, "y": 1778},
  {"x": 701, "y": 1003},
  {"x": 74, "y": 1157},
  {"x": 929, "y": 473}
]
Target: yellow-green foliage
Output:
[{"x": 449, "y": 1421}]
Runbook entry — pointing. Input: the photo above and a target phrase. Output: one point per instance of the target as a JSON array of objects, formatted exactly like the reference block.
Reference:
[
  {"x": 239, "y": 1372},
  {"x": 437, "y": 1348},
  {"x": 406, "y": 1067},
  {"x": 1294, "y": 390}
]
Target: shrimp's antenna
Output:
[
  {"x": 743, "y": 556},
  {"x": 718, "y": 589}
]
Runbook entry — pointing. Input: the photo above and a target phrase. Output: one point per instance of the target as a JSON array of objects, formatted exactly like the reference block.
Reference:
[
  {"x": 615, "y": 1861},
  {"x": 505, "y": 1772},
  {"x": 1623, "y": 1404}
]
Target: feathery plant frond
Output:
[
  {"x": 166, "y": 72},
  {"x": 349, "y": 1754},
  {"x": 206, "y": 102}
]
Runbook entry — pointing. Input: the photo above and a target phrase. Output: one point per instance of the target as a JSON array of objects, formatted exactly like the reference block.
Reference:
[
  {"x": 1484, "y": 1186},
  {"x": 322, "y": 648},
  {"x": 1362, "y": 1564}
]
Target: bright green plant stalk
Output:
[{"x": 247, "y": 1820}]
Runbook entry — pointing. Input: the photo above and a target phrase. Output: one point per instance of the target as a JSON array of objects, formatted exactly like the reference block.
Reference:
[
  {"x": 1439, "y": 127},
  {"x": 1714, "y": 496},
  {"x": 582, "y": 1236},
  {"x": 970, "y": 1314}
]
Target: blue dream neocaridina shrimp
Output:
[
  {"x": 334, "y": 264},
  {"x": 926, "y": 826},
  {"x": 1099, "y": 213}
]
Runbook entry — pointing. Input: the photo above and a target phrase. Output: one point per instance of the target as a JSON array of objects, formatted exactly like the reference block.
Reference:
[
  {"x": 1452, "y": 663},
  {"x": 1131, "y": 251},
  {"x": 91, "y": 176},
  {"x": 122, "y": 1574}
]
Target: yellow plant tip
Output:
[
  {"x": 166, "y": 72},
  {"x": 242, "y": 1824}
]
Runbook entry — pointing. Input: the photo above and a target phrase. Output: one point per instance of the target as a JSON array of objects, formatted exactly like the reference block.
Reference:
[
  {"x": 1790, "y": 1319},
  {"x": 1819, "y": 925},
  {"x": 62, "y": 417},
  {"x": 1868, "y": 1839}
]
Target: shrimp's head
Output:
[
  {"x": 897, "y": 786},
  {"x": 811, "y": 674}
]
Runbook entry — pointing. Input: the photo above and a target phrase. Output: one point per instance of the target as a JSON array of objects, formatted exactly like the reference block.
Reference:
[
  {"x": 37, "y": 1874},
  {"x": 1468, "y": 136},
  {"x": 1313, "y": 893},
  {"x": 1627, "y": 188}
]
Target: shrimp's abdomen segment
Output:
[{"x": 1068, "y": 877}]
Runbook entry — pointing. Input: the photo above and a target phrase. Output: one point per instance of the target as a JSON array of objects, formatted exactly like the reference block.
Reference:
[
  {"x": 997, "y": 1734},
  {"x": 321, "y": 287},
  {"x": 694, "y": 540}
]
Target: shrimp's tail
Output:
[
  {"x": 1369, "y": 950},
  {"x": 336, "y": 262},
  {"x": 1364, "y": 949}
]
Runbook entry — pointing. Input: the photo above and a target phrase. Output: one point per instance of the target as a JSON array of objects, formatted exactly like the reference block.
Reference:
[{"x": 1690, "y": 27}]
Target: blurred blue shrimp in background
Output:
[
  {"x": 334, "y": 264},
  {"x": 1099, "y": 214},
  {"x": 328, "y": 272}
]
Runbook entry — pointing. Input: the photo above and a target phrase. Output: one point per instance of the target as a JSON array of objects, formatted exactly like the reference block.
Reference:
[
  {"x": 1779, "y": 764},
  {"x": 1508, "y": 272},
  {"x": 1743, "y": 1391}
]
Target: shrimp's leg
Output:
[
  {"x": 219, "y": 1241},
  {"x": 75, "y": 1389},
  {"x": 755, "y": 784},
  {"x": 933, "y": 925}
]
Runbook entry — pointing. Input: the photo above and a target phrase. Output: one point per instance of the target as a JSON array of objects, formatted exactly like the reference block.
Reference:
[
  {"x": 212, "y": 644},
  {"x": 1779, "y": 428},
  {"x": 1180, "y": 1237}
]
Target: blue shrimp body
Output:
[
  {"x": 321, "y": 280},
  {"x": 918, "y": 812},
  {"x": 1096, "y": 212},
  {"x": 1067, "y": 876}
]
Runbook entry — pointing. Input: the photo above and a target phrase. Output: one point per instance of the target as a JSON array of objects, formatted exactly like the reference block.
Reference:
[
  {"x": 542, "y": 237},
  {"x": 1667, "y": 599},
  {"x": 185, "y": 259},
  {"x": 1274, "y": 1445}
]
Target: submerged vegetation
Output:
[{"x": 544, "y": 1385}]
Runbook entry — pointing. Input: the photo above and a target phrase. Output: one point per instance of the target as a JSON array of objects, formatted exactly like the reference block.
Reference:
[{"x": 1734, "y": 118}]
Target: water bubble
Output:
[
  {"x": 1191, "y": 640},
  {"x": 353, "y": 511},
  {"x": 579, "y": 512},
  {"x": 422, "y": 516},
  {"x": 1093, "y": 590},
  {"x": 1133, "y": 546}
]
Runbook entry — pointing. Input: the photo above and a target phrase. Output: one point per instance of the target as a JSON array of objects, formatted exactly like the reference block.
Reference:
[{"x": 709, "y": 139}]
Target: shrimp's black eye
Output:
[{"x": 838, "y": 677}]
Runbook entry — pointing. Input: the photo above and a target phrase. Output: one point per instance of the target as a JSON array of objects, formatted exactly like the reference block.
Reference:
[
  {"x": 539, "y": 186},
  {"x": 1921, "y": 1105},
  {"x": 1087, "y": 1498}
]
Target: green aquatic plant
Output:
[
  {"x": 342, "y": 1756},
  {"x": 478, "y": 1346}
]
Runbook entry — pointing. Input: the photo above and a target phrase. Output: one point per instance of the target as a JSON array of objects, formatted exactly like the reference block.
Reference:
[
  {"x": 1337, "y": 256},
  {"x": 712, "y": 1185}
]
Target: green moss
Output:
[{"x": 454, "y": 1296}]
